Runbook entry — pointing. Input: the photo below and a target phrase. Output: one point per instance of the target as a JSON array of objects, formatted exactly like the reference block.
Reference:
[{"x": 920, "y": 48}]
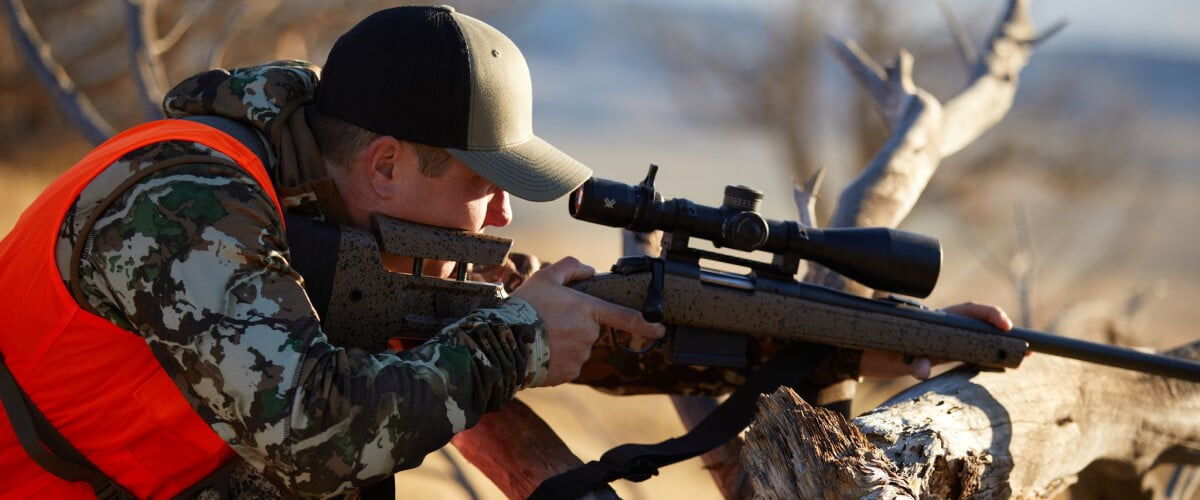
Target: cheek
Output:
[
  {"x": 477, "y": 208},
  {"x": 458, "y": 208}
]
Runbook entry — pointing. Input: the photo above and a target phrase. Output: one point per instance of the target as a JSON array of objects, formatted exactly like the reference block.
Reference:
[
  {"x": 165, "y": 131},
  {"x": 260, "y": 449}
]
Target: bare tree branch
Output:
[
  {"x": 994, "y": 82},
  {"x": 862, "y": 67},
  {"x": 459, "y": 476},
  {"x": 805, "y": 196},
  {"x": 1050, "y": 32},
  {"x": 217, "y": 55},
  {"x": 1023, "y": 265},
  {"x": 144, "y": 64},
  {"x": 185, "y": 21},
  {"x": 966, "y": 49},
  {"x": 54, "y": 78},
  {"x": 923, "y": 131}
]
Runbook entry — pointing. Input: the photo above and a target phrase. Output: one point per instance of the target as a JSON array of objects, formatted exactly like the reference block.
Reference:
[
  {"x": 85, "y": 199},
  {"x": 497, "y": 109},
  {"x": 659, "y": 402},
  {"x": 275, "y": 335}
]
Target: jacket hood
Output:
[
  {"x": 270, "y": 98},
  {"x": 254, "y": 95}
]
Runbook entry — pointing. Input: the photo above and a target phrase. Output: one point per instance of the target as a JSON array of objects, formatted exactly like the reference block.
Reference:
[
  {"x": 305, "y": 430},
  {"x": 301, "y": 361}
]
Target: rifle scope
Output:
[{"x": 881, "y": 258}]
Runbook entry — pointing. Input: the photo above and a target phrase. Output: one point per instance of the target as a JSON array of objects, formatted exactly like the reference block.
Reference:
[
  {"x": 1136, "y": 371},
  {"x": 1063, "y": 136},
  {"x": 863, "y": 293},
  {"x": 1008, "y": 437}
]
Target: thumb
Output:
[
  {"x": 921, "y": 368},
  {"x": 567, "y": 270}
]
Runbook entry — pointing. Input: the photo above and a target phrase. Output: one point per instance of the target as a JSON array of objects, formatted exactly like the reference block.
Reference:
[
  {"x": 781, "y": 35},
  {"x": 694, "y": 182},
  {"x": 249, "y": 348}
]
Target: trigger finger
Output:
[{"x": 627, "y": 320}]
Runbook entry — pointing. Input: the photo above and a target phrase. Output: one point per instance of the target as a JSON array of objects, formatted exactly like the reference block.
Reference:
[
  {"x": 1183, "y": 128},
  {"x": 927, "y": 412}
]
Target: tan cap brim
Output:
[{"x": 533, "y": 170}]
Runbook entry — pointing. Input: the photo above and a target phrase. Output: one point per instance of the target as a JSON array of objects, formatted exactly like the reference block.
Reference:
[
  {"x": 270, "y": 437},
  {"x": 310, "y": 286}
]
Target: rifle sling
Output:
[{"x": 638, "y": 462}]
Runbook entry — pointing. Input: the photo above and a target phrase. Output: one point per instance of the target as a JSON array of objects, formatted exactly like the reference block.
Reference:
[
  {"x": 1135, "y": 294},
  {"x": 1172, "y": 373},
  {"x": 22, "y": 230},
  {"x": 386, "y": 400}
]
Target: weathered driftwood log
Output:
[
  {"x": 923, "y": 129},
  {"x": 1027, "y": 433},
  {"x": 516, "y": 450},
  {"x": 795, "y": 449}
]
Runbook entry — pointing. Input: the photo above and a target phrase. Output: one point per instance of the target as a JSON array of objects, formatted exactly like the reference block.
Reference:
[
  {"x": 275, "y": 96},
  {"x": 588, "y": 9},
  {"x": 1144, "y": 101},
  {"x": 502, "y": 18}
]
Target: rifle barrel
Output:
[{"x": 1120, "y": 357}]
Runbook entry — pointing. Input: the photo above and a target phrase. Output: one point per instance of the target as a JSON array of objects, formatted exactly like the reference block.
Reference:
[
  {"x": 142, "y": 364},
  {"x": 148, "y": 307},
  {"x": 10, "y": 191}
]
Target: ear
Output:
[{"x": 388, "y": 163}]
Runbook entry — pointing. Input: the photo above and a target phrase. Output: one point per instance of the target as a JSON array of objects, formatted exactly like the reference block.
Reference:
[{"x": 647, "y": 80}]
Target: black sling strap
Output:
[
  {"x": 46, "y": 446},
  {"x": 638, "y": 462}
]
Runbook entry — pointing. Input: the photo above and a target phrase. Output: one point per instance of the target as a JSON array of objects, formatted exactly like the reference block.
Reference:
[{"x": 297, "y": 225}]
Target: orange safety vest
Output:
[{"x": 97, "y": 384}]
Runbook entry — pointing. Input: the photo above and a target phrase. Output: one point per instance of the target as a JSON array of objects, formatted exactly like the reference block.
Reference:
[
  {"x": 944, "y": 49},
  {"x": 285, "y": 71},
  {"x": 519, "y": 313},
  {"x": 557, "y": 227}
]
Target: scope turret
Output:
[{"x": 881, "y": 258}]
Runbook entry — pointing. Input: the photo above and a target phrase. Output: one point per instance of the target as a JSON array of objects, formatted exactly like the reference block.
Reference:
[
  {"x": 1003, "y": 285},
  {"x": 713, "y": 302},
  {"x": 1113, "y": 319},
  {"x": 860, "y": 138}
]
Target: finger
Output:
[
  {"x": 627, "y": 320},
  {"x": 881, "y": 364},
  {"x": 991, "y": 314},
  {"x": 920, "y": 368},
  {"x": 1004, "y": 323},
  {"x": 532, "y": 264},
  {"x": 567, "y": 270}
]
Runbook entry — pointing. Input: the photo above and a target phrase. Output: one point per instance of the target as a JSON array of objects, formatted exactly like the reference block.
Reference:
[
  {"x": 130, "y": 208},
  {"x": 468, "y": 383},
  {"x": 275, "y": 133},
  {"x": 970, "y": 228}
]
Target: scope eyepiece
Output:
[{"x": 616, "y": 204}]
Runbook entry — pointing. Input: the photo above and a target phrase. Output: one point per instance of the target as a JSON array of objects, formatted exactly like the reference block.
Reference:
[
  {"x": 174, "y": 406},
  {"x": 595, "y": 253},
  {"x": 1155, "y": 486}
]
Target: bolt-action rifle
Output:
[{"x": 711, "y": 315}]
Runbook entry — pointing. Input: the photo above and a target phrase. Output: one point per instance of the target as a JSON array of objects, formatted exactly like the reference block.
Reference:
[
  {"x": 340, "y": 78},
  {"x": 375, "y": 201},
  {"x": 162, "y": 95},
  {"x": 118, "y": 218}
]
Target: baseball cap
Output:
[{"x": 435, "y": 76}]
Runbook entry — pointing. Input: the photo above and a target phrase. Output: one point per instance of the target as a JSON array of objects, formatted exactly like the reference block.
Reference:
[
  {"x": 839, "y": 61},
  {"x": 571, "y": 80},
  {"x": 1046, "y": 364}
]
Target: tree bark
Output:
[{"x": 1024, "y": 434}]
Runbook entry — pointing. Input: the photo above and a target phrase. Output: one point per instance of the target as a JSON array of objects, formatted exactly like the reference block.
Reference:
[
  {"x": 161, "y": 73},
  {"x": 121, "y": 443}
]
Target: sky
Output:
[
  {"x": 1147, "y": 25},
  {"x": 602, "y": 96}
]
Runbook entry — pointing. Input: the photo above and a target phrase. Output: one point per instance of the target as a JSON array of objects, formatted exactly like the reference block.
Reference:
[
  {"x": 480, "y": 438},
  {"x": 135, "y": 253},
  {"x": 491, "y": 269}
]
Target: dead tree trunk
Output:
[
  {"x": 955, "y": 436},
  {"x": 1025, "y": 434}
]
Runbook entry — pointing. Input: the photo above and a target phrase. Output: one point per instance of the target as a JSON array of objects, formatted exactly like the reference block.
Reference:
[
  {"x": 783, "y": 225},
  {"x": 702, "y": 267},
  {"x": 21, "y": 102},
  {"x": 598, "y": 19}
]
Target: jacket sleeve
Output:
[{"x": 194, "y": 259}]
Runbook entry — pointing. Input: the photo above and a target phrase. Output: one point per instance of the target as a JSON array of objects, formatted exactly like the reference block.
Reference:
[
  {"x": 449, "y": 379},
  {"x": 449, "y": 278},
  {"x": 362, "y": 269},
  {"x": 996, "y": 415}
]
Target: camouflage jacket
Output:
[
  {"x": 190, "y": 254},
  {"x": 172, "y": 244}
]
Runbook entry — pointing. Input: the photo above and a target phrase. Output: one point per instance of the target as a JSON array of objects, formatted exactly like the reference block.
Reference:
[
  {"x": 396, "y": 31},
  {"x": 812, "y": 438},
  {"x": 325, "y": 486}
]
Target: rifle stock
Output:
[
  {"x": 711, "y": 301},
  {"x": 712, "y": 314}
]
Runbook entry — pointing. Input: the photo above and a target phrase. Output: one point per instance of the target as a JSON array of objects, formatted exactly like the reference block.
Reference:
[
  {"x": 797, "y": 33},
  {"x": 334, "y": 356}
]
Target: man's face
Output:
[{"x": 458, "y": 198}]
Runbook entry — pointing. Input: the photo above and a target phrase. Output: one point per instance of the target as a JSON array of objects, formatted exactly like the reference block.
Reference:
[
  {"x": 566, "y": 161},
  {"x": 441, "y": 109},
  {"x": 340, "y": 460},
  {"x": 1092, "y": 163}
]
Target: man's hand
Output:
[
  {"x": 573, "y": 319},
  {"x": 891, "y": 365}
]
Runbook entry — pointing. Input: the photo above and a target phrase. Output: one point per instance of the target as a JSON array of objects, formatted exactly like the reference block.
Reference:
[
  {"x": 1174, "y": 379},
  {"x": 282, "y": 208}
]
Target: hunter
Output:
[{"x": 161, "y": 345}]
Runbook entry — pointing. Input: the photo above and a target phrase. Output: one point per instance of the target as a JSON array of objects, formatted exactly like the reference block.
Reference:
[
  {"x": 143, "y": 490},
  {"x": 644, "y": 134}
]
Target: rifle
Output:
[{"x": 711, "y": 315}]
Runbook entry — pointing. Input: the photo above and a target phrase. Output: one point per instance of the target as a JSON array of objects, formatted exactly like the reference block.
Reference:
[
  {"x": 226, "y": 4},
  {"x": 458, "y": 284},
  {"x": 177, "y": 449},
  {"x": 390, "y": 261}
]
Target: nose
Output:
[{"x": 499, "y": 210}]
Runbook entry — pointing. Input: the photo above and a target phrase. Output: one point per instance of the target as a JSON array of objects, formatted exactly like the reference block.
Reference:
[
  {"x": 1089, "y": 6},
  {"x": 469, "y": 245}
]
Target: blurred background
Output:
[{"x": 1077, "y": 213}]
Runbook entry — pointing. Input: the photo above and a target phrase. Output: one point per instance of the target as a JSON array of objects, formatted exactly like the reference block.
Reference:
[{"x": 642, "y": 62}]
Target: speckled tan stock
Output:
[
  {"x": 369, "y": 304},
  {"x": 692, "y": 303},
  {"x": 398, "y": 237}
]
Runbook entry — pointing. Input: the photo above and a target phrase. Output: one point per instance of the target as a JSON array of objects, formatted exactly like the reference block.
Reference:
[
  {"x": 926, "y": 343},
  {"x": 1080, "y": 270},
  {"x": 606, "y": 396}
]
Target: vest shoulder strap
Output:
[{"x": 244, "y": 134}]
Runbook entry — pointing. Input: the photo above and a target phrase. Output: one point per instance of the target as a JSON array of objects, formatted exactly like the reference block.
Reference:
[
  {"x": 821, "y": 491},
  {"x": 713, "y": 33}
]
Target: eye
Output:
[{"x": 483, "y": 184}]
